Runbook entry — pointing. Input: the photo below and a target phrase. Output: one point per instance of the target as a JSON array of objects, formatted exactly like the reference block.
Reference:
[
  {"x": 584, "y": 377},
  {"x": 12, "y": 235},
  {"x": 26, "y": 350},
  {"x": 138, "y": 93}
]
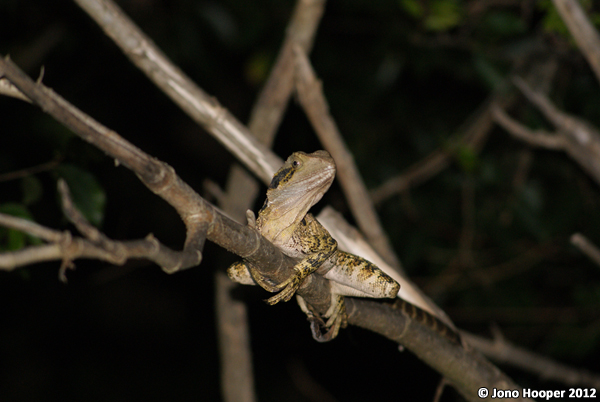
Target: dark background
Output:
[{"x": 402, "y": 78}]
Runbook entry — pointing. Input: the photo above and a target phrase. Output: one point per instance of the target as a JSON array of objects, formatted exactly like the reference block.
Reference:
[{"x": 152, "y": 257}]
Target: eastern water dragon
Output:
[{"x": 284, "y": 220}]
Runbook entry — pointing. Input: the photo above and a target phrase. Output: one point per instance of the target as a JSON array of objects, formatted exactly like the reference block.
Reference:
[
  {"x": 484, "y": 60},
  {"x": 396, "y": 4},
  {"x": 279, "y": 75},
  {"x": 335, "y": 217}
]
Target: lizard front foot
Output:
[{"x": 289, "y": 286}]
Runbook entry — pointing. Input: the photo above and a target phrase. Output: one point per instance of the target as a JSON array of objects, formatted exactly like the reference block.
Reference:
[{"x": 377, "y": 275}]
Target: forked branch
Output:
[
  {"x": 94, "y": 245},
  {"x": 464, "y": 368},
  {"x": 578, "y": 138}
]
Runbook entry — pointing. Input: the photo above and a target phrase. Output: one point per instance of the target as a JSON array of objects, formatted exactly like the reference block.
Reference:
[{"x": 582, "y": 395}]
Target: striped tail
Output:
[{"x": 424, "y": 318}]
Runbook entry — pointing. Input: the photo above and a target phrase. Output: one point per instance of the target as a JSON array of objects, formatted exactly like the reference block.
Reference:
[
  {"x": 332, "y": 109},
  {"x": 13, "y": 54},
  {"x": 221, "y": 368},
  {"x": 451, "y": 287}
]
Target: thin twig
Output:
[
  {"x": 33, "y": 228},
  {"x": 586, "y": 247},
  {"x": 85, "y": 228},
  {"x": 536, "y": 138},
  {"x": 473, "y": 137},
  {"x": 67, "y": 248},
  {"x": 440, "y": 389},
  {"x": 578, "y": 138},
  {"x": 310, "y": 93},
  {"x": 30, "y": 171}
]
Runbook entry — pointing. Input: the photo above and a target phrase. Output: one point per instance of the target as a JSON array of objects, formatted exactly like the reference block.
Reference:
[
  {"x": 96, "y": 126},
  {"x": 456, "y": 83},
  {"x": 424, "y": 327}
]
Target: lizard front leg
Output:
[
  {"x": 311, "y": 240},
  {"x": 301, "y": 271}
]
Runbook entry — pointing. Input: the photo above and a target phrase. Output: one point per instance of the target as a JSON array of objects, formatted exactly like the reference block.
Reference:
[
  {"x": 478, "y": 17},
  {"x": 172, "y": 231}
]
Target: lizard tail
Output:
[{"x": 423, "y": 317}]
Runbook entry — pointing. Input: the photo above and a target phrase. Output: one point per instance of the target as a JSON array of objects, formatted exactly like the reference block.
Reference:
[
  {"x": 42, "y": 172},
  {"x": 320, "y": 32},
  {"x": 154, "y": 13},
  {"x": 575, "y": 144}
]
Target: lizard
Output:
[{"x": 285, "y": 221}]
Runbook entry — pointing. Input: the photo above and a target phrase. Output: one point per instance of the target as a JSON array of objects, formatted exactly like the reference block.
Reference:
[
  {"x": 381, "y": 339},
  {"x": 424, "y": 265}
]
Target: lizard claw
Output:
[
  {"x": 289, "y": 286},
  {"x": 336, "y": 315}
]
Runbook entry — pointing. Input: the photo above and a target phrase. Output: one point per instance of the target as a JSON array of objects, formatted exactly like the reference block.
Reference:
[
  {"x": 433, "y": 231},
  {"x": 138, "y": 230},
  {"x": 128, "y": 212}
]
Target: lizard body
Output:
[{"x": 284, "y": 220}]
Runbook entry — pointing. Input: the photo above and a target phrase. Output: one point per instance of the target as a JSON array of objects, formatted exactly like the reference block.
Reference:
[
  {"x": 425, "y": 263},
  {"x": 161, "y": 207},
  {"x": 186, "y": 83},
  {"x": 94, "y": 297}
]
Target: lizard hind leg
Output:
[{"x": 336, "y": 318}]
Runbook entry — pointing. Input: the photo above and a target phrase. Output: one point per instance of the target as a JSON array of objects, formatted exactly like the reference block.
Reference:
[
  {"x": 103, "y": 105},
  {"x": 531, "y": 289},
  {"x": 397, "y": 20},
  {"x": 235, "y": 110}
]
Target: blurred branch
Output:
[
  {"x": 95, "y": 245},
  {"x": 19, "y": 174},
  {"x": 536, "y": 138},
  {"x": 586, "y": 247},
  {"x": 454, "y": 281},
  {"x": 502, "y": 351},
  {"x": 579, "y": 139},
  {"x": 201, "y": 107},
  {"x": 584, "y": 33},
  {"x": 271, "y": 103},
  {"x": 310, "y": 93},
  {"x": 473, "y": 137},
  {"x": 237, "y": 377}
]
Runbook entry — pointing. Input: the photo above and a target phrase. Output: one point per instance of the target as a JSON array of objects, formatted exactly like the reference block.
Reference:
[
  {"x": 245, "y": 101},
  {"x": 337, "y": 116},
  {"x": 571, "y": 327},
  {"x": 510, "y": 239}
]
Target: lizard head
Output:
[
  {"x": 296, "y": 187},
  {"x": 305, "y": 176}
]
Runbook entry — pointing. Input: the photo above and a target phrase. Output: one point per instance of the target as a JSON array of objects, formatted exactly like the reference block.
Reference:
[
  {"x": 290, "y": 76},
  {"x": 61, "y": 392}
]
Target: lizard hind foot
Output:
[
  {"x": 336, "y": 319},
  {"x": 336, "y": 314}
]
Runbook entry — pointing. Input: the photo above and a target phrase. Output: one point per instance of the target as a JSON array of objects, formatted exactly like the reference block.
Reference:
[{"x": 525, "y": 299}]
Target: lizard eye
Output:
[{"x": 296, "y": 163}]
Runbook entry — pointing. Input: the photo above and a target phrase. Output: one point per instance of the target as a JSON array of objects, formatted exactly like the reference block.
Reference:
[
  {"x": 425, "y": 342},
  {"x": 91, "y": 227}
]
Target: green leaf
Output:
[
  {"x": 11, "y": 239},
  {"x": 257, "y": 68},
  {"x": 412, "y": 7},
  {"x": 502, "y": 24},
  {"x": 32, "y": 189},
  {"x": 444, "y": 15},
  {"x": 87, "y": 194},
  {"x": 467, "y": 159},
  {"x": 490, "y": 74}
]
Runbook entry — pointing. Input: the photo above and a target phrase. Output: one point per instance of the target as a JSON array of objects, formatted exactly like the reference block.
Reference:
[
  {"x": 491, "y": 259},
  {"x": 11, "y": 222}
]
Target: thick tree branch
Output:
[
  {"x": 465, "y": 368},
  {"x": 248, "y": 244},
  {"x": 502, "y": 351},
  {"x": 583, "y": 31},
  {"x": 201, "y": 107}
]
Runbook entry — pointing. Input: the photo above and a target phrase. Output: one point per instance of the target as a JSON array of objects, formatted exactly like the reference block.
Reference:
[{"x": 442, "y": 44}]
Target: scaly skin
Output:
[{"x": 284, "y": 220}]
